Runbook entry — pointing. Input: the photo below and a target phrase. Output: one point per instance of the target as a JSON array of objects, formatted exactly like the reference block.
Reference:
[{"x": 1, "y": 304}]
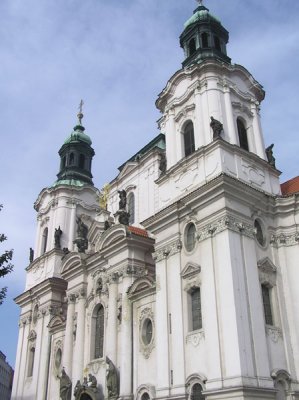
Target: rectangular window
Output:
[
  {"x": 267, "y": 305},
  {"x": 196, "y": 309}
]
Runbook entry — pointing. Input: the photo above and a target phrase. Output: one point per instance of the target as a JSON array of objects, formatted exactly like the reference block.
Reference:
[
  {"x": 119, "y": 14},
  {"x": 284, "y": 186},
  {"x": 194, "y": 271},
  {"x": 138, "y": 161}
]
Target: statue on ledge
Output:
[
  {"x": 269, "y": 154},
  {"x": 65, "y": 389},
  {"x": 217, "y": 128},
  {"x": 112, "y": 380},
  {"x": 81, "y": 240}
]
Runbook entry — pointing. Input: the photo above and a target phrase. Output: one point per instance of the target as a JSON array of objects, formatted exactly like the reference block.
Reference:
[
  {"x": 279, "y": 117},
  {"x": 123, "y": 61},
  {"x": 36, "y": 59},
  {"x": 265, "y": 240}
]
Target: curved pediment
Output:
[
  {"x": 71, "y": 261},
  {"x": 113, "y": 234},
  {"x": 141, "y": 285},
  {"x": 56, "y": 323}
]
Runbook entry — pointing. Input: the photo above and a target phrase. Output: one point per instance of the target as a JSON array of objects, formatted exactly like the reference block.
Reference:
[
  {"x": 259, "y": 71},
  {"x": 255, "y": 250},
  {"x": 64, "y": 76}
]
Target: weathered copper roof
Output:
[{"x": 291, "y": 186}]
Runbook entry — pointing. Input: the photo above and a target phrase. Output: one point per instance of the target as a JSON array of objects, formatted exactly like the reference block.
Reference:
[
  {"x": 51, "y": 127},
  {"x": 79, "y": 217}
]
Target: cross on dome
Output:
[
  {"x": 199, "y": 2},
  {"x": 80, "y": 114}
]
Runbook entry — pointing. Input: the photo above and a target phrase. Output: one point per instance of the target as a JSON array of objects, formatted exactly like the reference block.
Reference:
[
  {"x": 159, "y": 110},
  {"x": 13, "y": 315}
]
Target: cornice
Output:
[{"x": 200, "y": 70}]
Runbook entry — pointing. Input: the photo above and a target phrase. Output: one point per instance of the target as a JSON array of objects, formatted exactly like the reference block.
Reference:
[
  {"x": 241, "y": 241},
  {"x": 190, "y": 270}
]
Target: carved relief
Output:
[
  {"x": 274, "y": 333},
  {"x": 168, "y": 250},
  {"x": 195, "y": 338}
]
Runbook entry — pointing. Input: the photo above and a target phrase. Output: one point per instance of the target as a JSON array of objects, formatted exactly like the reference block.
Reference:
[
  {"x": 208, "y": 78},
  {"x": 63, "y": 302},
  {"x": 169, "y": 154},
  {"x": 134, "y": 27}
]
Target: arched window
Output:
[
  {"x": 31, "y": 361},
  {"x": 267, "y": 304},
  {"x": 82, "y": 161},
  {"x": 71, "y": 159},
  {"x": 192, "y": 47},
  {"x": 190, "y": 236},
  {"x": 131, "y": 208},
  {"x": 197, "y": 392},
  {"x": 196, "y": 309},
  {"x": 99, "y": 332},
  {"x": 189, "y": 143},
  {"x": 217, "y": 43},
  {"x": 145, "y": 396},
  {"x": 242, "y": 133},
  {"x": 204, "y": 40},
  {"x": 44, "y": 241}
]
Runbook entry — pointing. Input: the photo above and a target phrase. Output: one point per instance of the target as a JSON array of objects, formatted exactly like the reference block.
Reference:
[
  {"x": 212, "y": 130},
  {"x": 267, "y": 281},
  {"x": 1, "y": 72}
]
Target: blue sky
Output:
[{"x": 116, "y": 55}]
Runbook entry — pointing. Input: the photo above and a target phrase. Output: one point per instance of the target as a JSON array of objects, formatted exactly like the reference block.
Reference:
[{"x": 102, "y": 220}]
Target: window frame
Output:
[{"x": 188, "y": 138}]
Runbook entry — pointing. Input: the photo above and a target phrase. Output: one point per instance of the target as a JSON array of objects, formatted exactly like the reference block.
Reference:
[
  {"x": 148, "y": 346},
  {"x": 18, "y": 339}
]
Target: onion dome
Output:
[{"x": 203, "y": 37}]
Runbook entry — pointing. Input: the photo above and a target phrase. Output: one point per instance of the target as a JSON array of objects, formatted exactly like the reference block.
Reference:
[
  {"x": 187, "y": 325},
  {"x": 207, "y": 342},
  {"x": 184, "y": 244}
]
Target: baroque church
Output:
[{"x": 178, "y": 279}]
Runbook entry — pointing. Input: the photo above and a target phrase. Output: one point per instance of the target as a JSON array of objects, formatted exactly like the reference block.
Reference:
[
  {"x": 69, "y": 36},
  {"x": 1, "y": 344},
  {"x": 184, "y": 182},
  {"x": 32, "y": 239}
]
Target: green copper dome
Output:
[
  {"x": 202, "y": 14},
  {"x": 78, "y": 135},
  {"x": 203, "y": 38}
]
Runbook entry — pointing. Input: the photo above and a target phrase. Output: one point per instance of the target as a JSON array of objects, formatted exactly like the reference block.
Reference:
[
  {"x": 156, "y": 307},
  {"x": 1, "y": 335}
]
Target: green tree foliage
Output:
[{"x": 5, "y": 265}]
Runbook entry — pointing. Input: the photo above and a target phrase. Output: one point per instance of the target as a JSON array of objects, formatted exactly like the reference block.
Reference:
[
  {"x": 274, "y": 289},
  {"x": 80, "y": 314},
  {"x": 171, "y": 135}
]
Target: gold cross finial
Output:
[
  {"x": 80, "y": 114},
  {"x": 199, "y": 2}
]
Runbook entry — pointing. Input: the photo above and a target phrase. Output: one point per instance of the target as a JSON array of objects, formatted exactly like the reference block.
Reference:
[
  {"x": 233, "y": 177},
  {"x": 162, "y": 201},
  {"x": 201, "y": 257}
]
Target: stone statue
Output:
[
  {"x": 163, "y": 164},
  {"x": 122, "y": 199},
  {"x": 31, "y": 255},
  {"x": 81, "y": 240},
  {"x": 269, "y": 154},
  {"x": 124, "y": 217},
  {"x": 65, "y": 389},
  {"x": 93, "y": 381},
  {"x": 57, "y": 236},
  {"x": 217, "y": 128},
  {"x": 104, "y": 196},
  {"x": 77, "y": 388},
  {"x": 112, "y": 380},
  {"x": 82, "y": 229},
  {"x": 106, "y": 225}
]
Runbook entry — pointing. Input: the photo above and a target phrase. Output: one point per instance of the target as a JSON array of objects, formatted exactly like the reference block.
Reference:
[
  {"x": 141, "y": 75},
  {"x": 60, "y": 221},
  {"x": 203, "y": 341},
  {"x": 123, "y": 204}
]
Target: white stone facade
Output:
[{"x": 142, "y": 278}]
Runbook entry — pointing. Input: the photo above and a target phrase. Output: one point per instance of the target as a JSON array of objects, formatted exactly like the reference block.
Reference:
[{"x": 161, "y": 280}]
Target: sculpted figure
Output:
[
  {"x": 57, "y": 236},
  {"x": 31, "y": 255},
  {"x": 93, "y": 381},
  {"x": 81, "y": 240},
  {"x": 163, "y": 164},
  {"x": 122, "y": 199},
  {"x": 112, "y": 380},
  {"x": 269, "y": 154},
  {"x": 217, "y": 128},
  {"x": 65, "y": 389}
]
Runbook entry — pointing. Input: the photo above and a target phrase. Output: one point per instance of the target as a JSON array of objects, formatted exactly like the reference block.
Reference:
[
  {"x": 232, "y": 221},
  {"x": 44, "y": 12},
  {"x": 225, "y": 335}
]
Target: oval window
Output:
[
  {"x": 147, "y": 331},
  {"x": 260, "y": 237},
  {"x": 58, "y": 357}
]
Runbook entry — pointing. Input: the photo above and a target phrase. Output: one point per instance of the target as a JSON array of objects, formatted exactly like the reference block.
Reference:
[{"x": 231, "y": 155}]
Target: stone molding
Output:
[
  {"x": 168, "y": 250},
  {"x": 195, "y": 337},
  {"x": 274, "y": 333},
  {"x": 206, "y": 231},
  {"x": 283, "y": 240}
]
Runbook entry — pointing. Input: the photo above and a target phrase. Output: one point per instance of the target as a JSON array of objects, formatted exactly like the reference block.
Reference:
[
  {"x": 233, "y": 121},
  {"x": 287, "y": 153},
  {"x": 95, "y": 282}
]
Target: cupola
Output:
[
  {"x": 203, "y": 37},
  {"x": 76, "y": 156}
]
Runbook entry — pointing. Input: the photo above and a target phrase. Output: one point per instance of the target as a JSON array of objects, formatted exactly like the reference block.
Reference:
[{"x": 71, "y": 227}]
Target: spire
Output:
[
  {"x": 204, "y": 37},
  {"x": 76, "y": 156}
]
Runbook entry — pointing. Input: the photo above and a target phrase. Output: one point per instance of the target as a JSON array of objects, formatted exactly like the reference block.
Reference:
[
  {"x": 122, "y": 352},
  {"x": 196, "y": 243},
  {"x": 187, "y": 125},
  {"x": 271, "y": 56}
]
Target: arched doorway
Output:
[{"x": 85, "y": 396}]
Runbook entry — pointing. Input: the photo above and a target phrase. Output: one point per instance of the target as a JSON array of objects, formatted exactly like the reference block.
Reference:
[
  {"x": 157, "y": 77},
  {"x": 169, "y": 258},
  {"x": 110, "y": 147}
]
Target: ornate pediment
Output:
[
  {"x": 56, "y": 323},
  {"x": 127, "y": 169},
  {"x": 141, "y": 286},
  {"x": 190, "y": 270}
]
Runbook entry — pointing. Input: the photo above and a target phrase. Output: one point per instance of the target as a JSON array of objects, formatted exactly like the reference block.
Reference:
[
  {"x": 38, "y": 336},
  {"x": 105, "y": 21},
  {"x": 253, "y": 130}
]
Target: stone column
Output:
[
  {"x": 170, "y": 136},
  {"x": 72, "y": 227},
  {"x": 257, "y": 131},
  {"x": 162, "y": 329},
  {"x": 126, "y": 372},
  {"x": 68, "y": 339},
  {"x": 21, "y": 351},
  {"x": 231, "y": 130},
  {"x": 78, "y": 358},
  {"x": 112, "y": 321},
  {"x": 199, "y": 126}
]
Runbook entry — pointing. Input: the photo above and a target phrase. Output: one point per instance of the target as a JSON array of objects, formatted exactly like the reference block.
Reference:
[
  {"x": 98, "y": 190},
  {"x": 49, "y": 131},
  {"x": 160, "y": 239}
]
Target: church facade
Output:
[{"x": 179, "y": 279}]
